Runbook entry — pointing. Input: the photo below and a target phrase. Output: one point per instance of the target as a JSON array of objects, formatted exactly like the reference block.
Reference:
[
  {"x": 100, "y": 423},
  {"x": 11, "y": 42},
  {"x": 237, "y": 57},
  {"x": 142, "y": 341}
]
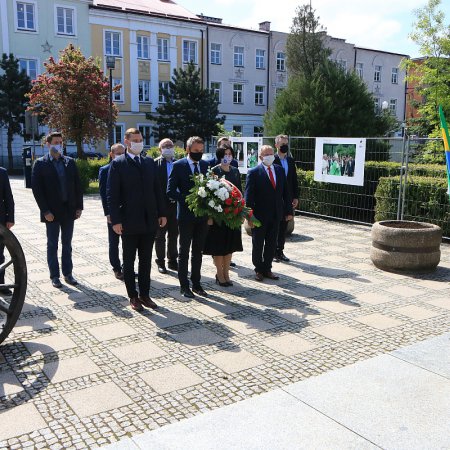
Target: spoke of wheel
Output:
[
  {"x": 4, "y": 306},
  {"x": 8, "y": 286},
  {"x": 5, "y": 265}
]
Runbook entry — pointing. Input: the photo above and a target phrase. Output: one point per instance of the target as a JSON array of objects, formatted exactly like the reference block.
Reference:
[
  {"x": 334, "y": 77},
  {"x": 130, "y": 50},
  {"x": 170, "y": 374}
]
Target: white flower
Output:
[
  {"x": 219, "y": 208},
  {"x": 222, "y": 193},
  {"x": 200, "y": 177},
  {"x": 202, "y": 192},
  {"x": 213, "y": 185},
  {"x": 211, "y": 203}
]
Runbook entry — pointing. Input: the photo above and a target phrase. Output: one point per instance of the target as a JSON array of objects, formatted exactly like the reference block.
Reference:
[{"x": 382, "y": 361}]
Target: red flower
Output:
[
  {"x": 236, "y": 211},
  {"x": 228, "y": 201},
  {"x": 243, "y": 202},
  {"x": 250, "y": 213},
  {"x": 227, "y": 210}
]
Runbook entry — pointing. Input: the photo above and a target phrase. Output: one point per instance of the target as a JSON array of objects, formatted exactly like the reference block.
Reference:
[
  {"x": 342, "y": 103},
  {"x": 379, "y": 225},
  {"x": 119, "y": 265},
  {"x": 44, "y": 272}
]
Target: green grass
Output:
[{"x": 93, "y": 188}]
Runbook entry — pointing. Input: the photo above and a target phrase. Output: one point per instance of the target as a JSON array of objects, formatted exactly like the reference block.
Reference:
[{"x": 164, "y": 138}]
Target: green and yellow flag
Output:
[{"x": 446, "y": 138}]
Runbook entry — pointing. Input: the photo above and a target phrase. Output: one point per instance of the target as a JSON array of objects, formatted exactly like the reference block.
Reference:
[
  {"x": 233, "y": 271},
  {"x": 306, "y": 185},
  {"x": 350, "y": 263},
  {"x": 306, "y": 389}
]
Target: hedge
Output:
[{"x": 426, "y": 200}]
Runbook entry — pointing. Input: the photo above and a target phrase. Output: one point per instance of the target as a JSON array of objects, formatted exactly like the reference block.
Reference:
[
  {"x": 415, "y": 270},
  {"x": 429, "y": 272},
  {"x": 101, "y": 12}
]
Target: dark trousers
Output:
[
  {"x": 281, "y": 236},
  {"x": 191, "y": 233},
  {"x": 113, "y": 241},
  {"x": 171, "y": 229},
  {"x": 53, "y": 230},
  {"x": 143, "y": 243},
  {"x": 264, "y": 241},
  {"x": 2, "y": 260}
]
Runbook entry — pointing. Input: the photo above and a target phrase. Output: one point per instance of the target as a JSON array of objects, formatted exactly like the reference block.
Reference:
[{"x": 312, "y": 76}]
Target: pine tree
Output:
[
  {"x": 72, "y": 96},
  {"x": 189, "y": 110},
  {"x": 14, "y": 87}
]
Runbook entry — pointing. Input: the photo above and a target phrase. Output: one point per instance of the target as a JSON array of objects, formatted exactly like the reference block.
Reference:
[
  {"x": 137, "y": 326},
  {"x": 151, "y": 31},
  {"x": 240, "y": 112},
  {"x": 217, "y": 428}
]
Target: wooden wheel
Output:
[{"x": 13, "y": 281}]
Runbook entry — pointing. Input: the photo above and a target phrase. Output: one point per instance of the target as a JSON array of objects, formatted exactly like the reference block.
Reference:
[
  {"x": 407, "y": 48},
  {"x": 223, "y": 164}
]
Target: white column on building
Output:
[
  {"x": 173, "y": 54},
  {"x": 154, "y": 81},
  {"x": 4, "y": 26},
  {"x": 134, "y": 73}
]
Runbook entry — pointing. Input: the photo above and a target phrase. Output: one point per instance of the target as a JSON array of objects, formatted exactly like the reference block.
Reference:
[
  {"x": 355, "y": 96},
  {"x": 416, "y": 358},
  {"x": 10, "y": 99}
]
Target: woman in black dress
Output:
[{"x": 222, "y": 241}]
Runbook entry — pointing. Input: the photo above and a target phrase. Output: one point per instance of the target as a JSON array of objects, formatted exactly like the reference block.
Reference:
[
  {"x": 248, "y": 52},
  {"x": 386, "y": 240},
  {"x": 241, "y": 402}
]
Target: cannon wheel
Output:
[{"x": 11, "y": 305}]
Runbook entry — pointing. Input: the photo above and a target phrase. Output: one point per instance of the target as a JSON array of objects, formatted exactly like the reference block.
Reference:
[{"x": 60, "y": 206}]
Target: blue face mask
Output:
[{"x": 227, "y": 159}]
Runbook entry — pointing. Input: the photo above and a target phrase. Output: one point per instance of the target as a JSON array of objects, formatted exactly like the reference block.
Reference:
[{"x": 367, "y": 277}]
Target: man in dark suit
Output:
[
  {"x": 214, "y": 161},
  {"x": 113, "y": 237},
  {"x": 57, "y": 189},
  {"x": 192, "y": 230},
  {"x": 164, "y": 163},
  {"x": 6, "y": 218},
  {"x": 136, "y": 208},
  {"x": 267, "y": 194},
  {"x": 288, "y": 164}
]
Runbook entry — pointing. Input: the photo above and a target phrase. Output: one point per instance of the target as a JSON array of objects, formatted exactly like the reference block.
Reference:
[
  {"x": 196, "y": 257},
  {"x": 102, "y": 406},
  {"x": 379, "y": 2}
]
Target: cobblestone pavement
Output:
[{"x": 81, "y": 369}]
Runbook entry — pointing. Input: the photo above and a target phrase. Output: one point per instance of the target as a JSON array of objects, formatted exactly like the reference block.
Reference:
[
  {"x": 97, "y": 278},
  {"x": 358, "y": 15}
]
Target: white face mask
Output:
[
  {"x": 227, "y": 159},
  {"x": 56, "y": 148},
  {"x": 268, "y": 160},
  {"x": 168, "y": 152},
  {"x": 136, "y": 147}
]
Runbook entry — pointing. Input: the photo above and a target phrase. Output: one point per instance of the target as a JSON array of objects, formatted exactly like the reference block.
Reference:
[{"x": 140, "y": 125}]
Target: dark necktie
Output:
[
  {"x": 137, "y": 160},
  {"x": 196, "y": 172},
  {"x": 272, "y": 179}
]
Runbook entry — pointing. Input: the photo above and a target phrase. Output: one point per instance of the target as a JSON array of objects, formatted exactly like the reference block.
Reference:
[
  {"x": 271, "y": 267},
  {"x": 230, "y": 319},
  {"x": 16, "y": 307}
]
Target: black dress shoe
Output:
[
  {"x": 172, "y": 265},
  {"x": 232, "y": 264},
  {"x": 186, "y": 292},
  {"x": 70, "y": 280},
  {"x": 271, "y": 276},
  {"x": 200, "y": 291},
  {"x": 162, "y": 269},
  {"x": 277, "y": 258},
  {"x": 56, "y": 283},
  {"x": 148, "y": 302},
  {"x": 119, "y": 275},
  {"x": 283, "y": 257}
]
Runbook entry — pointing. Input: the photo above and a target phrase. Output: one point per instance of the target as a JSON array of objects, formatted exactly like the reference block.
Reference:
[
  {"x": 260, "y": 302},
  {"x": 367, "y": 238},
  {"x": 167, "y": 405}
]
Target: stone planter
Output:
[
  {"x": 289, "y": 229},
  {"x": 400, "y": 245}
]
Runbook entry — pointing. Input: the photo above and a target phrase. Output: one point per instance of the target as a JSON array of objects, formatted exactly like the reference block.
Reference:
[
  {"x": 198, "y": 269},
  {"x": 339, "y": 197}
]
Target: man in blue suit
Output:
[
  {"x": 57, "y": 189},
  {"x": 267, "y": 194},
  {"x": 192, "y": 230},
  {"x": 113, "y": 237},
  {"x": 136, "y": 209}
]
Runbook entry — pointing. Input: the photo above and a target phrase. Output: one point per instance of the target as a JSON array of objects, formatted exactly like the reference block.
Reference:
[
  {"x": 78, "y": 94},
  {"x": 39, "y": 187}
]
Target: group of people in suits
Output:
[{"x": 144, "y": 201}]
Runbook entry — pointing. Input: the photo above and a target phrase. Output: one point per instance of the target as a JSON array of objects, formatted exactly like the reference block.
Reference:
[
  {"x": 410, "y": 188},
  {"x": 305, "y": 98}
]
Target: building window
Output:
[
  {"x": 146, "y": 132},
  {"x": 144, "y": 91},
  {"x": 259, "y": 95},
  {"x": 118, "y": 95},
  {"x": 118, "y": 133},
  {"x": 163, "y": 49},
  {"x": 143, "y": 43},
  {"x": 342, "y": 63},
  {"x": 237, "y": 92},
  {"x": 216, "y": 87},
  {"x": 260, "y": 54},
  {"x": 237, "y": 129},
  {"x": 238, "y": 56},
  {"x": 393, "y": 106},
  {"x": 377, "y": 74},
  {"x": 29, "y": 66},
  {"x": 163, "y": 85},
  {"x": 189, "y": 52},
  {"x": 376, "y": 105},
  {"x": 26, "y": 16},
  {"x": 65, "y": 20},
  {"x": 359, "y": 69},
  {"x": 112, "y": 43},
  {"x": 281, "y": 61},
  {"x": 216, "y": 53},
  {"x": 258, "y": 131},
  {"x": 394, "y": 75}
]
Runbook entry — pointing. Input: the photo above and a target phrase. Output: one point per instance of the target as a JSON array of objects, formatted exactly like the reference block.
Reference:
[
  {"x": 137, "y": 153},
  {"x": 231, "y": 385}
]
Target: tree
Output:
[
  {"x": 430, "y": 74},
  {"x": 14, "y": 87},
  {"x": 332, "y": 102},
  {"x": 189, "y": 109},
  {"x": 72, "y": 96},
  {"x": 305, "y": 44}
]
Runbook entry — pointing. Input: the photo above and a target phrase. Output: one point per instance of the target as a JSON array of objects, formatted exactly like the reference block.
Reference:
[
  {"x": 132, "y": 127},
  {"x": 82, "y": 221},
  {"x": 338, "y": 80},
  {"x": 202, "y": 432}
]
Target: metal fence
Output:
[{"x": 395, "y": 185}]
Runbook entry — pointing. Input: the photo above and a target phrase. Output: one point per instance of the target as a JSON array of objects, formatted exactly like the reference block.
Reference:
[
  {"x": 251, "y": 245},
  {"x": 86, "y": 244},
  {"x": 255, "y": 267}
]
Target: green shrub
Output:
[
  {"x": 154, "y": 152},
  {"x": 426, "y": 200},
  {"x": 88, "y": 170}
]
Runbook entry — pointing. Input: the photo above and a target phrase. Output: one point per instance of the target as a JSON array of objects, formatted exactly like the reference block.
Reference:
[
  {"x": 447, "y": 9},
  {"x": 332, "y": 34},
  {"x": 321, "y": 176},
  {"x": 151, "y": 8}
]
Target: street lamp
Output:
[{"x": 110, "y": 64}]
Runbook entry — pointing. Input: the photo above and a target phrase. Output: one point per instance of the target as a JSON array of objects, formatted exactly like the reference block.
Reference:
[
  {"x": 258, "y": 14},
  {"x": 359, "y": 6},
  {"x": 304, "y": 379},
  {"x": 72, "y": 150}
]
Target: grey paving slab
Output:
[
  {"x": 392, "y": 403},
  {"x": 270, "y": 421},
  {"x": 432, "y": 354}
]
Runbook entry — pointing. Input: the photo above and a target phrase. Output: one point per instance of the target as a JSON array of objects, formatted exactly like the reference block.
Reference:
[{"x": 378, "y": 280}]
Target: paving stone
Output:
[
  {"x": 20, "y": 420},
  {"x": 33, "y": 324},
  {"x": 112, "y": 331},
  {"x": 336, "y": 306},
  {"x": 52, "y": 343},
  {"x": 172, "y": 378},
  {"x": 67, "y": 369},
  {"x": 416, "y": 312},
  {"x": 289, "y": 345},
  {"x": 373, "y": 298},
  {"x": 137, "y": 352},
  {"x": 165, "y": 319},
  {"x": 405, "y": 291},
  {"x": 378, "y": 321},
  {"x": 96, "y": 399},
  {"x": 247, "y": 325},
  {"x": 337, "y": 332},
  {"x": 297, "y": 315},
  {"x": 215, "y": 309},
  {"x": 440, "y": 303},
  {"x": 83, "y": 315},
  {"x": 197, "y": 337},
  {"x": 9, "y": 384},
  {"x": 231, "y": 362}
]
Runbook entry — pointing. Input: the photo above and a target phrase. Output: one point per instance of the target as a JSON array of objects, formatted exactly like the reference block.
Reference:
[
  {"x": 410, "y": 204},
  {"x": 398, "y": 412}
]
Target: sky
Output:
[{"x": 377, "y": 24}]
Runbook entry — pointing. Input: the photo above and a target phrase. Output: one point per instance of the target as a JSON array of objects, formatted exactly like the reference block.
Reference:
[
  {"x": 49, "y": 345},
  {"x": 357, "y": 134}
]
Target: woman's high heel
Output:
[{"x": 220, "y": 283}]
